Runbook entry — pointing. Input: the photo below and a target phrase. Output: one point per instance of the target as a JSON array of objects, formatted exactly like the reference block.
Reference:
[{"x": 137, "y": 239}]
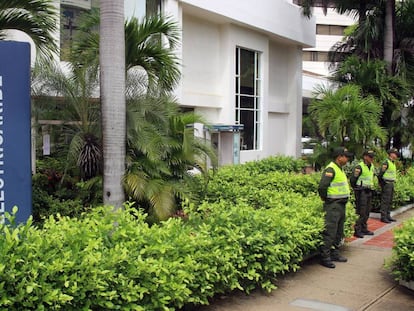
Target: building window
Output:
[
  {"x": 143, "y": 8},
  {"x": 314, "y": 56},
  {"x": 330, "y": 30},
  {"x": 248, "y": 107},
  {"x": 69, "y": 21},
  {"x": 152, "y": 7},
  {"x": 315, "y": 3}
]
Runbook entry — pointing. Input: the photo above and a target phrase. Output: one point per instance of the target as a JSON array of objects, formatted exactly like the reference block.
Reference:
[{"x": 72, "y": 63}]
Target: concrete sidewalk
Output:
[{"x": 360, "y": 284}]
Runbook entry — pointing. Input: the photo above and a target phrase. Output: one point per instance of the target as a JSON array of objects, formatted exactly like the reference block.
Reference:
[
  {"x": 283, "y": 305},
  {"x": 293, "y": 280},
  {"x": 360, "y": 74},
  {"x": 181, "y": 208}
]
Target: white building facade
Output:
[
  {"x": 243, "y": 65},
  {"x": 241, "y": 69}
]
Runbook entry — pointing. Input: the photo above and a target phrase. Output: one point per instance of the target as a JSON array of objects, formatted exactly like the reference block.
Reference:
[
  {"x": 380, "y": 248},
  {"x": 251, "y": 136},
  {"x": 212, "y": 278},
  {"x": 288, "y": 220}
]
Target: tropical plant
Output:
[
  {"x": 150, "y": 45},
  {"x": 153, "y": 144},
  {"x": 144, "y": 49},
  {"x": 77, "y": 111},
  {"x": 394, "y": 88},
  {"x": 361, "y": 9},
  {"x": 346, "y": 117},
  {"x": 162, "y": 148},
  {"x": 384, "y": 32},
  {"x": 366, "y": 40},
  {"x": 36, "y": 18}
]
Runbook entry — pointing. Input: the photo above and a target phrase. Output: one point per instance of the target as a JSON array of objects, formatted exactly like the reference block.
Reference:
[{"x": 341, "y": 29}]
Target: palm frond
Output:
[{"x": 36, "y": 18}]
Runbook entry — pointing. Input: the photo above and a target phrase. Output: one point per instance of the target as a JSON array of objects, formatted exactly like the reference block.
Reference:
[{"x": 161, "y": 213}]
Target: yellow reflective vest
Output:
[
  {"x": 339, "y": 188},
  {"x": 390, "y": 174},
  {"x": 366, "y": 179}
]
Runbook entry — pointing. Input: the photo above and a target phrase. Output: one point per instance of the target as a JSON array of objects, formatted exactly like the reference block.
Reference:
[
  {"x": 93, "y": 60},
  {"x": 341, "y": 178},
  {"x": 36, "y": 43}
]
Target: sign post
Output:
[{"x": 15, "y": 130}]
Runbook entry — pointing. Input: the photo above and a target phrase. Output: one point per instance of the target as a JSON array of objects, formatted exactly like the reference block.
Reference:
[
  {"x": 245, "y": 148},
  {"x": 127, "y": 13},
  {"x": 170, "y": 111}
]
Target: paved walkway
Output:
[{"x": 361, "y": 284}]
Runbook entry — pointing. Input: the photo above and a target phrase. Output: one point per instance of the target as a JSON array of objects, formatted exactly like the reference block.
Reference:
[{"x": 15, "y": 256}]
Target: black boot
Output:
[
  {"x": 385, "y": 220},
  {"x": 358, "y": 234},
  {"x": 335, "y": 256},
  {"x": 327, "y": 262},
  {"x": 367, "y": 232}
]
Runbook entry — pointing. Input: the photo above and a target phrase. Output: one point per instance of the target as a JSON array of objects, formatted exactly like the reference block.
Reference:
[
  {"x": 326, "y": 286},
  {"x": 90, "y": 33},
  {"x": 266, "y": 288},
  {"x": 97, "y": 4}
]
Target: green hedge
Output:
[
  {"x": 285, "y": 184},
  {"x": 114, "y": 260},
  {"x": 253, "y": 226},
  {"x": 401, "y": 263}
]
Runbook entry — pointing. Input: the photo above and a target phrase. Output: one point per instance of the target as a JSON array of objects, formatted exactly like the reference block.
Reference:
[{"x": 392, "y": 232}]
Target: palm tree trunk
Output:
[
  {"x": 112, "y": 75},
  {"x": 389, "y": 33}
]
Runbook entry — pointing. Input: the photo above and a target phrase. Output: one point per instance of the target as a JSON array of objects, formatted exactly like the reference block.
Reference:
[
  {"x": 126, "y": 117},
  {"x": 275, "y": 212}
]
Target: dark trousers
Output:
[
  {"x": 334, "y": 227},
  {"x": 363, "y": 205},
  {"x": 387, "y": 195}
]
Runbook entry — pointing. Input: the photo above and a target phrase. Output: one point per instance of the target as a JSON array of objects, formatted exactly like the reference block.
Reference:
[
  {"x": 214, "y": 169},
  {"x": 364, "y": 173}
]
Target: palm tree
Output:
[
  {"x": 36, "y": 18},
  {"x": 389, "y": 25},
  {"x": 79, "y": 111},
  {"x": 385, "y": 33},
  {"x": 366, "y": 39},
  {"x": 360, "y": 9},
  {"x": 113, "y": 107},
  {"x": 346, "y": 117},
  {"x": 373, "y": 79},
  {"x": 162, "y": 148},
  {"x": 149, "y": 44},
  {"x": 394, "y": 88}
]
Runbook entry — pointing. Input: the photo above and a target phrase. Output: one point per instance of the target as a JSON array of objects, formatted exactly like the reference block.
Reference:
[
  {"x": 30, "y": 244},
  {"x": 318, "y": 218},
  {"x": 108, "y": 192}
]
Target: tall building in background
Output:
[
  {"x": 70, "y": 11},
  {"x": 329, "y": 30}
]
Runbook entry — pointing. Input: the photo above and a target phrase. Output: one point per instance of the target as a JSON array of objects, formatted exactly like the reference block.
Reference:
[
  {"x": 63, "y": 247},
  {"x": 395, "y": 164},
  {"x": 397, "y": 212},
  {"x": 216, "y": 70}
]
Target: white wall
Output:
[
  {"x": 278, "y": 18},
  {"x": 202, "y": 70},
  {"x": 210, "y": 36},
  {"x": 285, "y": 104}
]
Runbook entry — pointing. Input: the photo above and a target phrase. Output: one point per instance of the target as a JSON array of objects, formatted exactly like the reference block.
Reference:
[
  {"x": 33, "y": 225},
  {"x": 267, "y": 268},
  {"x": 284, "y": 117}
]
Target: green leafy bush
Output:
[
  {"x": 275, "y": 163},
  {"x": 46, "y": 203},
  {"x": 234, "y": 182},
  {"x": 107, "y": 260},
  {"x": 401, "y": 263},
  {"x": 269, "y": 188},
  {"x": 252, "y": 227},
  {"x": 403, "y": 191}
]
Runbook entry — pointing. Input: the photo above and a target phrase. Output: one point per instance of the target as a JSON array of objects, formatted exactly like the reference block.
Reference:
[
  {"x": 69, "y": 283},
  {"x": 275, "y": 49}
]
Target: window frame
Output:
[{"x": 255, "y": 107}]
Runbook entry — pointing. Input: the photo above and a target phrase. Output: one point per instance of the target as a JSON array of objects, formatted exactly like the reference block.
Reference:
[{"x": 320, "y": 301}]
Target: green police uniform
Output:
[
  {"x": 387, "y": 177},
  {"x": 334, "y": 191},
  {"x": 362, "y": 181}
]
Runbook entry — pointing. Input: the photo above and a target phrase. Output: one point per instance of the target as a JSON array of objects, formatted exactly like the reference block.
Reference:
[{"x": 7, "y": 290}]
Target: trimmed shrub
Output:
[
  {"x": 107, "y": 260},
  {"x": 401, "y": 263}
]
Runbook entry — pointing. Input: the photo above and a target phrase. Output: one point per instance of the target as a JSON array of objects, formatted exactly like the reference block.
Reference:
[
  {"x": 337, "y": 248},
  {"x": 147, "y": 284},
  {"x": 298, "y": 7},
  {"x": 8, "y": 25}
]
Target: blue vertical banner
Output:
[{"x": 15, "y": 146}]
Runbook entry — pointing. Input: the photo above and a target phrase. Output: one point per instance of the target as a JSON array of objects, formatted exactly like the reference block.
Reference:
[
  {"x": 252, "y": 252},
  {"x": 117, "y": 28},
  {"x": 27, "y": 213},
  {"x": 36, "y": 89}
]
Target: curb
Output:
[
  {"x": 397, "y": 211},
  {"x": 409, "y": 285}
]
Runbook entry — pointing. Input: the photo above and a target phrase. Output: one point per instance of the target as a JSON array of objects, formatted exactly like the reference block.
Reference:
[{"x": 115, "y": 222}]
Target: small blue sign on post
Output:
[{"x": 15, "y": 145}]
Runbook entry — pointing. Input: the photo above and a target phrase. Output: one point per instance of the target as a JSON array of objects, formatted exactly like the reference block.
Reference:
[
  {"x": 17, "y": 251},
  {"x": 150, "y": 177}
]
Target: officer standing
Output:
[
  {"x": 362, "y": 181},
  {"x": 334, "y": 192},
  {"x": 386, "y": 178}
]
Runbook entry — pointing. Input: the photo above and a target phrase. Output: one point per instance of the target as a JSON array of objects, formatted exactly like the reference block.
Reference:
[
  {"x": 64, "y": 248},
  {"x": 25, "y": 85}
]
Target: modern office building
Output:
[
  {"x": 329, "y": 30},
  {"x": 241, "y": 68}
]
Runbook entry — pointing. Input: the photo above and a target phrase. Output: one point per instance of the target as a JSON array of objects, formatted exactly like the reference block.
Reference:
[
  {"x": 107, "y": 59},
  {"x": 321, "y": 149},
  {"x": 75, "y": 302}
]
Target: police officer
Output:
[
  {"x": 386, "y": 178},
  {"x": 334, "y": 192},
  {"x": 362, "y": 181}
]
